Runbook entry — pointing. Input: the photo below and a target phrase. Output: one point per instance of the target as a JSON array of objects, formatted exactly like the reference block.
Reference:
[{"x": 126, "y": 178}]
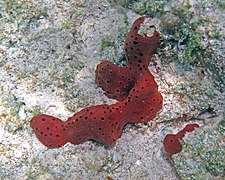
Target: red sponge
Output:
[
  {"x": 171, "y": 142},
  {"x": 133, "y": 86}
]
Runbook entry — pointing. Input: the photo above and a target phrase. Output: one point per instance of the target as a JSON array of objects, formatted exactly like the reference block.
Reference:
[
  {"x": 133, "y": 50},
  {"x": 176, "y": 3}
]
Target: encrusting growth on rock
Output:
[{"x": 133, "y": 86}]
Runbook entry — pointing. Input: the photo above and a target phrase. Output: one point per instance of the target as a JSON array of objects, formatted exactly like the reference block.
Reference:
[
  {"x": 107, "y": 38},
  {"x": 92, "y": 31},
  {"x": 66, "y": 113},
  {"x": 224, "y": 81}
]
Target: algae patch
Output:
[
  {"x": 203, "y": 155},
  {"x": 17, "y": 16}
]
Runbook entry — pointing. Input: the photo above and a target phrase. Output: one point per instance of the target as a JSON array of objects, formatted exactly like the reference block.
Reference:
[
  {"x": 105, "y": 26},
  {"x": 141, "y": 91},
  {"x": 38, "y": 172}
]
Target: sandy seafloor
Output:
[{"x": 48, "y": 54}]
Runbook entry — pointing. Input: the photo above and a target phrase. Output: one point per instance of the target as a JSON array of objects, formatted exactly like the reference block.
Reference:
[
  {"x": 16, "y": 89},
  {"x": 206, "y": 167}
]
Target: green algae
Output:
[
  {"x": 36, "y": 170},
  {"x": 221, "y": 126},
  {"x": 112, "y": 47},
  {"x": 19, "y": 14},
  {"x": 183, "y": 37},
  {"x": 106, "y": 42},
  {"x": 10, "y": 109},
  {"x": 75, "y": 103},
  {"x": 193, "y": 51},
  {"x": 196, "y": 90},
  {"x": 123, "y": 3},
  {"x": 77, "y": 65},
  {"x": 9, "y": 117},
  {"x": 102, "y": 162},
  {"x": 185, "y": 41},
  {"x": 151, "y": 8}
]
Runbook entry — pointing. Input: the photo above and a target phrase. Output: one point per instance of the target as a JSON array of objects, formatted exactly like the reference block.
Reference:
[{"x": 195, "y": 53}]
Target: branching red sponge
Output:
[
  {"x": 102, "y": 123},
  {"x": 135, "y": 88},
  {"x": 172, "y": 143},
  {"x": 117, "y": 81}
]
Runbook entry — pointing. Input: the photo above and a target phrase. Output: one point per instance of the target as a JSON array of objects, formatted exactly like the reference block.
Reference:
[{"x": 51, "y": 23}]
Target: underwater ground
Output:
[{"x": 49, "y": 50}]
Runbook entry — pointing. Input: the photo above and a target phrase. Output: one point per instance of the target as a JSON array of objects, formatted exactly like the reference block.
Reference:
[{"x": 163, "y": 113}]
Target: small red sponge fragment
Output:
[{"x": 171, "y": 142}]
